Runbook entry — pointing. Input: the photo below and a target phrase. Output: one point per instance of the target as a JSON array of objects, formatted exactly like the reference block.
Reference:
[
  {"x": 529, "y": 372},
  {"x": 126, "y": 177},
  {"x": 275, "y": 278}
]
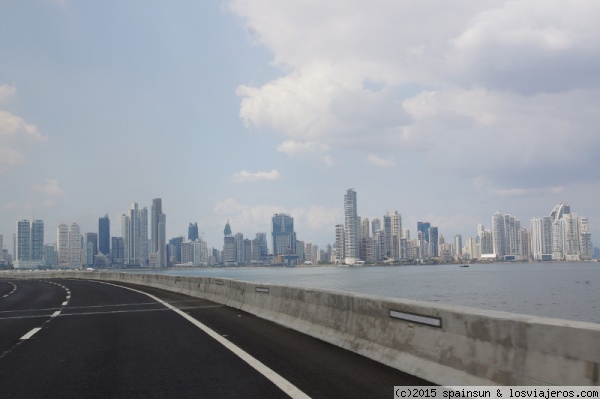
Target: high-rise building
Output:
[
  {"x": 93, "y": 238},
  {"x": 62, "y": 242},
  {"x": 117, "y": 252},
  {"x": 351, "y": 227},
  {"x": 158, "y": 232},
  {"x": 284, "y": 237},
  {"x": 144, "y": 242},
  {"x": 193, "y": 234},
  {"x": 29, "y": 244},
  {"x": 423, "y": 227},
  {"x": 23, "y": 244},
  {"x": 396, "y": 235},
  {"x": 433, "y": 242},
  {"x": 458, "y": 245},
  {"x": 498, "y": 236},
  {"x": 74, "y": 246},
  {"x": 340, "y": 243},
  {"x": 134, "y": 226},
  {"x": 174, "y": 252},
  {"x": 229, "y": 251},
  {"x": 37, "y": 240},
  {"x": 263, "y": 249},
  {"x": 104, "y": 235},
  {"x": 240, "y": 253}
]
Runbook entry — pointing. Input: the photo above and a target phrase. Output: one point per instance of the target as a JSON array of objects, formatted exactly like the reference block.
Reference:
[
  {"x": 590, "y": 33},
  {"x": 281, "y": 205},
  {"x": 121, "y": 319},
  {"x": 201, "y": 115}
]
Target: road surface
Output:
[{"x": 77, "y": 338}]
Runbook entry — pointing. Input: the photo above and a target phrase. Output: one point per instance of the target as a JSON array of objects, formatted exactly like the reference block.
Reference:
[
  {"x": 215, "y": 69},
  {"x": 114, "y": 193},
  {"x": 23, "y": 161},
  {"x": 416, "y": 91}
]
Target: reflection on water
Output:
[{"x": 560, "y": 290}]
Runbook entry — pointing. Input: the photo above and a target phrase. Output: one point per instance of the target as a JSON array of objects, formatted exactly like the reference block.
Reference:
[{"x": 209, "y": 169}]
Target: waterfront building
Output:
[
  {"x": 375, "y": 225},
  {"x": 351, "y": 227},
  {"x": 458, "y": 247},
  {"x": 396, "y": 235},
  {"x": 29, "y": 244},
  {"x": 193, "y": 234},
  {"x": 338, "y": 248},
  {"x": 75, "y": 248},
  {"x": 158, "y": 238},
  {"x": 92, "y": 238},
  {"x": 387, "y": 229},
  {"x": 117, "y": 252},
  {"x": 485, "y": 242},
  {"x": 134, "y": 226},
  {"x": 23, "y": 244},
  {"x": 62, "y": 240},
  {"x": 561, "y": 236},
  {"x": 571, "y": 237},
  {"x": 240, "y": 253},
  {"x": 174, "y": 250},
  {"x": 284, "y": 237},
  {"x": 300, "y": 253},
  {"x": 263, "y": 249},
  {"x": 247, "y": 244},
  {"x": 228, "y": 245},
  {"x": 433, "y": 242},
  {"x": 498, "y": 236},
  {"x": 37, "y": 241},
  {"x": 50, "y": 255},
  {"x": 104, "y": 235},
  {"x": 541, "y": 238}
]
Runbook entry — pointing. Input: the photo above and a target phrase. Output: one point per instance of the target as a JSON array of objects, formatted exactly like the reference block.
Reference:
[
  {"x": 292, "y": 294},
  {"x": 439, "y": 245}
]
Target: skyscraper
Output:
[
  {"x": 93, "y": 238},
  {"x": 158, "y": 232},
  {"x": 37, "y": 240},
  {"x": 228, "y": 245},
  {"x": 74, "y": 246},
  {"x": 351, "y": 227},
  {"x": 193, "y": 234},
  {"x": 62, "y": 241},
  {"x": 284, "y": 237},
  {"x": 29, "y": 244},
  {"x": 23, "y": 243},
  {"x": 104, "y": 235}
]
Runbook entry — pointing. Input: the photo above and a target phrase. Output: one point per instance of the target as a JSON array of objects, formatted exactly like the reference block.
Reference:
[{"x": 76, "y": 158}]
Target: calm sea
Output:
[{"x": 559, "y": 290}]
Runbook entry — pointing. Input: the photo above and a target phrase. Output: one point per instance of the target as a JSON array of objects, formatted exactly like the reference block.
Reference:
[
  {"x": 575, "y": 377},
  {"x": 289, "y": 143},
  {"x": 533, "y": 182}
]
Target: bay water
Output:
[{"x": 555, "y": 289}]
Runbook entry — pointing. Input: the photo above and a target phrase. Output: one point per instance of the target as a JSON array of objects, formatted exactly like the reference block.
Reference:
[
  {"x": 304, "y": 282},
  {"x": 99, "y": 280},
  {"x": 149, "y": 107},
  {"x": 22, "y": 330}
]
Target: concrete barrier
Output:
[{"x": 444, "y": 344}]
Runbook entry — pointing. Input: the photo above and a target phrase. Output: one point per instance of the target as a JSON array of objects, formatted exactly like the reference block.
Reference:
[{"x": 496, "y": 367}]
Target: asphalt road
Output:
[{"x": 74, "y": 338}]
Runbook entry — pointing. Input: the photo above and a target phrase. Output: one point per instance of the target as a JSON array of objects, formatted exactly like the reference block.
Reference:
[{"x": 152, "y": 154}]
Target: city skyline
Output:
[
  {"x": 562, "y": 235},
  {"x": 232, "y": 111}
]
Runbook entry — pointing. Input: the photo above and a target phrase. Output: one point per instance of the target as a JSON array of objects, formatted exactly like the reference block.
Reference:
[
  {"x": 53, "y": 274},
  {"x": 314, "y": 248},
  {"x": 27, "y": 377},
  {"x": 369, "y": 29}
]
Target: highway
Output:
[{"x": 78, "y": 338}]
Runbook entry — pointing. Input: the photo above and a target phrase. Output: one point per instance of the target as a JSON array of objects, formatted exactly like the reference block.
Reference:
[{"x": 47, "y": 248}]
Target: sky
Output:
[{"x": 236, "y": 110}]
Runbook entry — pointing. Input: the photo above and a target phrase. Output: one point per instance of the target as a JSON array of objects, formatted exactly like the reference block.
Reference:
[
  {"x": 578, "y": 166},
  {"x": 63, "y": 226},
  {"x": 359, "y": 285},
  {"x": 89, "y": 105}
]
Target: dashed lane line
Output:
[{"x": 30, "y": 333}]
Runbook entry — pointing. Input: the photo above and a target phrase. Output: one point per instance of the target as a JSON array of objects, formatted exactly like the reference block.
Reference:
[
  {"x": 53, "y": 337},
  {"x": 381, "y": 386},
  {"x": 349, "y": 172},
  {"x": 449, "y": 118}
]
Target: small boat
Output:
[{"x": 464, "y": 266}]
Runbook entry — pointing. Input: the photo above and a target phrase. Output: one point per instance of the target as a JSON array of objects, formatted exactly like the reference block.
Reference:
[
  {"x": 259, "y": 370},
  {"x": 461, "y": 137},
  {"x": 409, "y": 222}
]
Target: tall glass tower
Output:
[{"x": 104, "y": 235}]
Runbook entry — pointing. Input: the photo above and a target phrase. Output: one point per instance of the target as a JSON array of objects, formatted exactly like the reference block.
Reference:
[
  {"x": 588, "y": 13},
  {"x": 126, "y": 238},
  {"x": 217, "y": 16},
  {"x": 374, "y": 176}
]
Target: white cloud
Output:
[
  {"x": 378, "y": 161},
  {"x": 504, "y": 90},
  {"x": 16, "y": 135},
  {"x": 51, "y": 192},
  {"x": 245, "y": 176}
]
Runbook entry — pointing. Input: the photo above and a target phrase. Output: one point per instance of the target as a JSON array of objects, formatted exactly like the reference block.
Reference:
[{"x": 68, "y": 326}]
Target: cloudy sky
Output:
[{"x": 239, "y": 109}]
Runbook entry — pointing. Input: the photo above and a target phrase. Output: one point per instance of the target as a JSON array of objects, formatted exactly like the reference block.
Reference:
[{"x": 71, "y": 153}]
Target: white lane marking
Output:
[
  {"x": 283, "y": 384},
  {"x": 64, "y": 303},
  {"x": 30, "y": 333},
  {"x": 55, "y": 313}
]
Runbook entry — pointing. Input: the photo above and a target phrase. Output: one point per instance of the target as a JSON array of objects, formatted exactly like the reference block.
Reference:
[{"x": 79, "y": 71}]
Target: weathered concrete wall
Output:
[{"x": 463, "y": 346}]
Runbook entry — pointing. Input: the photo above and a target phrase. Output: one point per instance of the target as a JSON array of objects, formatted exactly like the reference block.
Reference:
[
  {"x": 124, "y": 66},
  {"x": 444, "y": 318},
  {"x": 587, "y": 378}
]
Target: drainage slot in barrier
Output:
[
  {"x": 219, "y": 282},
  {"x": 416, "y": 318},
  {"x": 264, "y": 290}
]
